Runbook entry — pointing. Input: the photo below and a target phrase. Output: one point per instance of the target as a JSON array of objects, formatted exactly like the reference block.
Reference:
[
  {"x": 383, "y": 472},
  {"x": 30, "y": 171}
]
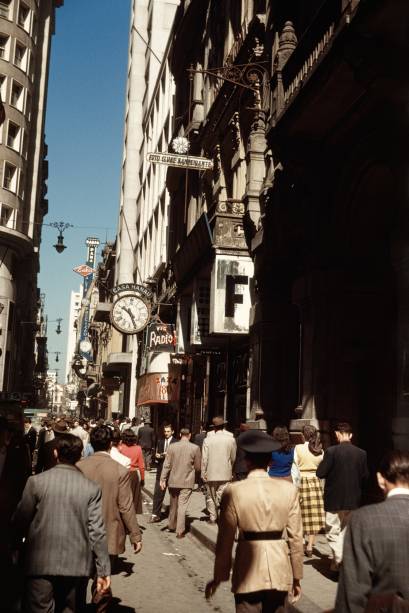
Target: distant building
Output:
[
  {"x": 25, "y": 36},
  {"x": 75, "y": 307}
]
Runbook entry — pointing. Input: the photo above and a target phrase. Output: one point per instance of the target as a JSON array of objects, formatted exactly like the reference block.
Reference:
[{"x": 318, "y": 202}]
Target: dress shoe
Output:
[
  {"x": 170, "y": 529},
  {"x": 154, "y": 519},
  {"x": 180, "y": 535}
]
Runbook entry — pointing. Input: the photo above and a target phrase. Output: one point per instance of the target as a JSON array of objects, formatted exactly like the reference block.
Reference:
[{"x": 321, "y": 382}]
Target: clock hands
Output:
[{"x": 131, "y": 315}]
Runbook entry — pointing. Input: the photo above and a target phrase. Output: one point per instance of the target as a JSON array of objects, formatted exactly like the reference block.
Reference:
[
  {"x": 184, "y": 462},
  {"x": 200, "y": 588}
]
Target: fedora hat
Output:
[
  {"x": 257, "y": 441},
  {"x": 218, "y": 421}
]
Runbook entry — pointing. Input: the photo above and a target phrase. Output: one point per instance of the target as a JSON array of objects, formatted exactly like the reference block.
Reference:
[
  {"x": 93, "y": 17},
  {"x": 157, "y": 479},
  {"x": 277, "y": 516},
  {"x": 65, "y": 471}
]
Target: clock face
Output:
[{"x": 130, "y": 314}]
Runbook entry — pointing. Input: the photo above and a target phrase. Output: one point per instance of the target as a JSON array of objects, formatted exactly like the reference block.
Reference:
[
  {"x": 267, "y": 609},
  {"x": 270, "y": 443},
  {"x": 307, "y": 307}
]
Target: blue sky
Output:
[{"x": 84, "y": 132}]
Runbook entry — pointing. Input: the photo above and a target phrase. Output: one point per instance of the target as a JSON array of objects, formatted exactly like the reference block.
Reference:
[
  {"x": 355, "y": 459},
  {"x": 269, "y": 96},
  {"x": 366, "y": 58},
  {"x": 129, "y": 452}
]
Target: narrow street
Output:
[{"x": 168, "y": 575}]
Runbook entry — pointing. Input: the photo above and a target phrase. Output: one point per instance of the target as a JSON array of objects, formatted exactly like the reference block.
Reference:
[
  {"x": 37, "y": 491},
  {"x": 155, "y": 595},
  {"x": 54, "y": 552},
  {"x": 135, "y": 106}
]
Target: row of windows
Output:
[
  {"x": 22, "y": 57},
  {"x": 23, "y": 17},
  {"x": 18, "y": 98}
]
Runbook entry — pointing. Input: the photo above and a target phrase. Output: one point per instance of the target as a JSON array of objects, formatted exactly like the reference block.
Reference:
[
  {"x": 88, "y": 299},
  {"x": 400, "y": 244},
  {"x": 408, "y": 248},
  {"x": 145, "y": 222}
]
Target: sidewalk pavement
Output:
[{"x": 318, "y": 586}]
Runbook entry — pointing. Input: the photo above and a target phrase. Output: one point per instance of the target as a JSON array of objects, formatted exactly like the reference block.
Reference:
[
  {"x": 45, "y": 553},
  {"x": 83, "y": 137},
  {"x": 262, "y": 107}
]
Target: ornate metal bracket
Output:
[{"x": 249, "y": 76}]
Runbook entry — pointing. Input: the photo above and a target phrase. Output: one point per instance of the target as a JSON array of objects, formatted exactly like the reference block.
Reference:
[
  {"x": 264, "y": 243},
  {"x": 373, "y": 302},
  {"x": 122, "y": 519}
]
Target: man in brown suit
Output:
[
  {"x": 178, "y": 473},
  {"x": 267, "y": 565},
  {"x": 117, "y": 502}
]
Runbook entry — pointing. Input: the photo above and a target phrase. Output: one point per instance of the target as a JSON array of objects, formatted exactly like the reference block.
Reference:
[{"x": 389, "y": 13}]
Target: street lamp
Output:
[
  {"x": 58, "y": 329},
  {"x": 61, "y": 227},
  {"x": 57, "y": 354}
]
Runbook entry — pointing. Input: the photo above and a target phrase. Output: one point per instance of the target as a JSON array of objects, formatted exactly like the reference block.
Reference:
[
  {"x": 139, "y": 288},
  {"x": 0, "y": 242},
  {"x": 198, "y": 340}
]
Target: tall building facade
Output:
[
  {"x": 26, "y": 28},
  {"x": 142, "y": 232}
]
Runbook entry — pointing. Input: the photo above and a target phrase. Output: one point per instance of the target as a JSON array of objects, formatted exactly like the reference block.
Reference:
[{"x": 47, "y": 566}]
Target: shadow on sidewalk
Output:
[
  {"x": 123, "y": 566},
  {"x": 322, "y": 565},
  {"x": 114, "y": 607}
]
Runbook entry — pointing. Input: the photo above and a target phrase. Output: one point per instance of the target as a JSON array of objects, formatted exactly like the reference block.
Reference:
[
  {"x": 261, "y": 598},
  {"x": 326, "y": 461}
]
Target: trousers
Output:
[
  {"x": 215, "y": 491},
  {"x": 54, "y": 594},
  {"x": 158, "y": 493},
  {"x": 147, "y": 457},
  {"x": 264, "y": 601},
  {"x": 335, "y": 527},
  {"x": 179, "y": 500}
]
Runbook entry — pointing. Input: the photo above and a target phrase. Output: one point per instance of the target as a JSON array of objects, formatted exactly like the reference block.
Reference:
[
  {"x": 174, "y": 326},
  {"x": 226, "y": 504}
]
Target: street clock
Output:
[{"x": 130, "y": 314}]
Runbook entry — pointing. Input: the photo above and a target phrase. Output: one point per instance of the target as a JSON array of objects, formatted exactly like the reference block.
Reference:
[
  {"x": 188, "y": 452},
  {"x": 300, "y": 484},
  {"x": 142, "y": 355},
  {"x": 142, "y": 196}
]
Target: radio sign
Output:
[{"x": 161, "y": 337}]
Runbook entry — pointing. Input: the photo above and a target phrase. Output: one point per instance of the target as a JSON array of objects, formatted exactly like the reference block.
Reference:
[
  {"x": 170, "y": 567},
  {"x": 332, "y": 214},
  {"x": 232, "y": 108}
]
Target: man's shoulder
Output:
[{"x": 101, "y": 462}]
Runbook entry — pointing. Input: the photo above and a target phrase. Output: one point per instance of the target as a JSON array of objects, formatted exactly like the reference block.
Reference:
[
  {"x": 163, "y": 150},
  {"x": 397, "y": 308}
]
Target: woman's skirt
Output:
[
  {"x": 312, "y": 505},
  {"x": 136, "y": 491}
]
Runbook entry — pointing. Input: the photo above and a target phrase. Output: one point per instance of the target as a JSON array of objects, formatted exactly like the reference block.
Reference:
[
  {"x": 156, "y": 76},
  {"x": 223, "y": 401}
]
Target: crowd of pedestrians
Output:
[{"x": 271, "y": 496}]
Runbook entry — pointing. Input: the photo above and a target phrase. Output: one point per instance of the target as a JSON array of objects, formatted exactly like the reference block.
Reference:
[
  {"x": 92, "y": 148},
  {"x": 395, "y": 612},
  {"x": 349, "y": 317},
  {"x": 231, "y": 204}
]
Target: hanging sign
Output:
[
  {"x": 180, "y": 161},
  {"x": 161, "y": 337},
  {"x": 84, "y": 270}
]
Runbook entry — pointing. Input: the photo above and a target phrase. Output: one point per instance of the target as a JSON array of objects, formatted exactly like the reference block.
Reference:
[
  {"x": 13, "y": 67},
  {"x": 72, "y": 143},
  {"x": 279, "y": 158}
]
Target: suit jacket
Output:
[
  {"x": 181, "y": 463},
  {"x": 61, "y": 517},
  {"x": 146, "y": 437},
  {"x": 262, "y": 564},
  {"x": 218, "y": 455},
  {"x": 117, "y": 502},
  {"x": 30, "y": 438},
  {"x": 160, "y": 448},
  {"x": 344, "y": 469},
  {"x": 376, "y": 554},
  {"x": 199, "y": 438}
]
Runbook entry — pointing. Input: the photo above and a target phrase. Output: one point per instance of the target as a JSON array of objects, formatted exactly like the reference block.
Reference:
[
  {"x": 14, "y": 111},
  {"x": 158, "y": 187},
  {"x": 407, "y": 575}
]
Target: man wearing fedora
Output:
[
  {"x": 268, "y": 565},
  {"x": 46, "y": 457},
  {"x": 218, "y": 456},
  {"x": 146, "y": 439}
]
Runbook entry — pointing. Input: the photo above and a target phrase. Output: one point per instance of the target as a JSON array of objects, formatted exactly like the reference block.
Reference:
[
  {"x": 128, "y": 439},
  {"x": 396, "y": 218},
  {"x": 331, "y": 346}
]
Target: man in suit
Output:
[
  {"x": 218, "y": 456},
  {"x": 146, "y": 439},
  {"x": 60, "y": 517},
  {"x": 268, "y": 565},
  {"x": 376, "y": 549},
  {"x": 181, "y": 463},
  {"x": 117, "y": 502},
  {"x": 344, "y": 469},
  {"x": 30, "y": 435},
  {"x": 161, "y": 450},
  {"x": 46, "y": 457}
]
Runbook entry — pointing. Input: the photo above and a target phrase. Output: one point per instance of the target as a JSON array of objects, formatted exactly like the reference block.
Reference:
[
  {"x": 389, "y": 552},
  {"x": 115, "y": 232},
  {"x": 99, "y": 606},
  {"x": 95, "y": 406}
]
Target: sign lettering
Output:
[{"x": 180, "y": 161}]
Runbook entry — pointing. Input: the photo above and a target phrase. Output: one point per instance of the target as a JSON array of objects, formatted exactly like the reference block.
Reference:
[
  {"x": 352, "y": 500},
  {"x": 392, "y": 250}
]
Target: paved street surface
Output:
[
  {"x": 168, "y": 575},
  {"x": 171, "y": 574}
]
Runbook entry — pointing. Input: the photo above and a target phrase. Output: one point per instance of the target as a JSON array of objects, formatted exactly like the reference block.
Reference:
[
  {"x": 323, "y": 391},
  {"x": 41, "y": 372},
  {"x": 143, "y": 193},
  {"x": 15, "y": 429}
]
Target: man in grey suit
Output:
[
  {"x": 376, "y": 547},
  {"x": 60, "y": 517},
  {"x": 181, "y": 463}
]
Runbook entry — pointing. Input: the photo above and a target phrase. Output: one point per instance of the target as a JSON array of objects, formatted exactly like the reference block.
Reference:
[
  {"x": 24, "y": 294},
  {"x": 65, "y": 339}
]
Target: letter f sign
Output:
[{"x": 231, "y": 297}]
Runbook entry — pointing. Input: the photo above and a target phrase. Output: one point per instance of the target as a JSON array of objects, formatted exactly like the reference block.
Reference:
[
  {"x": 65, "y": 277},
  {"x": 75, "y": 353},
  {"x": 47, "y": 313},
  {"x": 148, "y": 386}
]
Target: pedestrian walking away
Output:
[
  {"x": 146, "y": 439},
  {"x": 181, "y": 464},
  {"x": 133, "y": 451},
  {"x": 307, "y": 457},
  {"x": 344, "y": 469},
  {"x": 160, "y": 454},
  {"x": 266, "y": 567},
  {"x": 218, "y": 456},
  {"x": 282, "y": 459},
  {"x": 117, "y": 502},
  {"x": 374, "y": 572},
  {"x": 60, "y": 518}
]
